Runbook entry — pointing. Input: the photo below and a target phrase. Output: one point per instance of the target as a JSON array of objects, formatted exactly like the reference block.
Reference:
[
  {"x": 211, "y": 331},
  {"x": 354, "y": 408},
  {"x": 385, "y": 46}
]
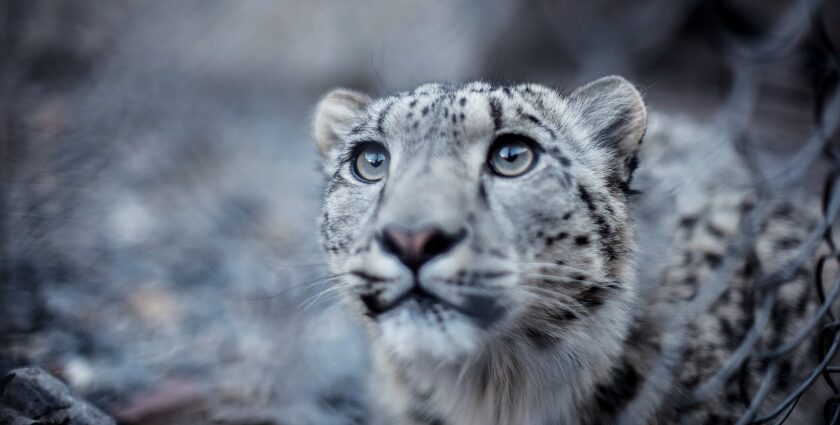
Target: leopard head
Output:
[{"x": 463, "y": 216}]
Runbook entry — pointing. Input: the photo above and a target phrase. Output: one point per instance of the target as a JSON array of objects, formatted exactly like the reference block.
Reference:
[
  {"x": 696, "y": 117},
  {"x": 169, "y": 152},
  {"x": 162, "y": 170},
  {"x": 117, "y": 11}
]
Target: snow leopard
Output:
[{"x": 490, "y": 238}]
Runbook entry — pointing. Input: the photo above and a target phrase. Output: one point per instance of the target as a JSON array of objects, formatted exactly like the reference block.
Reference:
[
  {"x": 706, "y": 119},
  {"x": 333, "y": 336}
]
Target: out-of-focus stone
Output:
[
  {"x": 30, "y": 393},
  {"x": 10, "y": 417},
  {"x": 172, "y": 402}
]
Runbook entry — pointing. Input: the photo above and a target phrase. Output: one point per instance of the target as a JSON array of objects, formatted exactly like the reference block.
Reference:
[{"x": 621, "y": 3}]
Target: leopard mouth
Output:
[
  {"x": 484, "y": 310},
  {"x": 423, "y": 298}
]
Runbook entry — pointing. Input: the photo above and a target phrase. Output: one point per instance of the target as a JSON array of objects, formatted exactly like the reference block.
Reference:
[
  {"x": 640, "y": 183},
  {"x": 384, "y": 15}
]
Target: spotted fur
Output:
[{"x": 537, "y": 316}]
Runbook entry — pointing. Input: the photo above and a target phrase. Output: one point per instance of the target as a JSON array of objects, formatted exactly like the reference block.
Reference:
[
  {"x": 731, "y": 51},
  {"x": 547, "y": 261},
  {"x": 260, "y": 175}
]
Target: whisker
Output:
[
  {"x": 558, "y": 266},
  {"x": 570, "y": 279},
  {"x": 553, "y": 277},
  {"x": 297, "y": 265},
  {"x": 332, "y": 290},
  {"x": 307, "y": 284}
]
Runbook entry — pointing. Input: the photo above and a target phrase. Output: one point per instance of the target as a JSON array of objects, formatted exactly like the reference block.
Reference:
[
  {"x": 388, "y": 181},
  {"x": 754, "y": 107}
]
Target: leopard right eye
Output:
[
  {"x": 370, "y": 162},
  {"x": 512, "y": 155}
]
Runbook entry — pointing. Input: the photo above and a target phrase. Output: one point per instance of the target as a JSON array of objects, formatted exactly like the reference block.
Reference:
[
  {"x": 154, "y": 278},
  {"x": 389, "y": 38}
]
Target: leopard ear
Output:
[
  {"x": 335, "y": 114},
  {"x": 615, "y": 115}
]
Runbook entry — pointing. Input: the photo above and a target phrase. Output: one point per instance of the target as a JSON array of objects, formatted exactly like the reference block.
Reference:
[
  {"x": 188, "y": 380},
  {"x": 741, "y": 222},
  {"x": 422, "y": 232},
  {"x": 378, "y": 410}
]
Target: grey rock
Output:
[{"x": 32, "y": 396}]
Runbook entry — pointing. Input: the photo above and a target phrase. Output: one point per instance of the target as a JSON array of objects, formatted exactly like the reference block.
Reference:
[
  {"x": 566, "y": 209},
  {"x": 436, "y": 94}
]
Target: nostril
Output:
[
  {"x": 414, "y": 247},
  {"x": 389, "y": 243},
  {"x": 440, "y": 243}
]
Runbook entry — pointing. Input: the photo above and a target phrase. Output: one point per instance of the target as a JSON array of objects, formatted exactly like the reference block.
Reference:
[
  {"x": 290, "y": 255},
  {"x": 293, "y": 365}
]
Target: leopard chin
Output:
[{"x": 416, "y": 329}]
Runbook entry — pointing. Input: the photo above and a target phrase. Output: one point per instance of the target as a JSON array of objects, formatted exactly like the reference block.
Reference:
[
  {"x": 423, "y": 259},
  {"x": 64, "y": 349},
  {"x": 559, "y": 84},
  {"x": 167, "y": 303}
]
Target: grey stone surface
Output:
[{"x": 32, "y": 396}]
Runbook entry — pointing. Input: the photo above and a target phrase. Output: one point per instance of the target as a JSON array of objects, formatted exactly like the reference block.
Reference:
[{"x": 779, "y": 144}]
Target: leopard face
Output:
[{"x": 459, "y": 217}]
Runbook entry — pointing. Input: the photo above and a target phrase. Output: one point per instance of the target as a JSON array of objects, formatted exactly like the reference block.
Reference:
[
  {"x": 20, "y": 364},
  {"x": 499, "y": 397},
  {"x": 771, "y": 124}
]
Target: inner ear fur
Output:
[
  {"x": 615, "y": 115},
  {"x": 334, "y": 116}
]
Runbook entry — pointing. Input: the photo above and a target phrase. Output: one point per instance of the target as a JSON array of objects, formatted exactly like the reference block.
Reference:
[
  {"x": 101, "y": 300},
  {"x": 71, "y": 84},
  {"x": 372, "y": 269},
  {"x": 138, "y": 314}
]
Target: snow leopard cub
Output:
[{"x": 484, "y": 235}]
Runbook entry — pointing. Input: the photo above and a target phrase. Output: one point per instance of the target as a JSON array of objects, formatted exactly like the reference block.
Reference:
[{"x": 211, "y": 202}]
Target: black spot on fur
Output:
[
  {"x": 413, "y": 103},
  {"x": 688, "y": 222},
  {"x": 715, "y": 419},
  {"x": 713, "y": 259},
  {"x": 586, "y": 197},
  {"x": 533, "y": 119},
  {"x": 425, "y": 111},
  {"x": 538, "y": 337},
  {"x": 562, "y": 316},
  {"x": 582, "y": 240},
  {"x": 463, "y": 101},
  {"x": 592, "y": 297},
  {"x": 732, "y": 337},
  {"x": 632, "y": 164},
  {"x": 558, "y": 237},
  {"x": 785, "y": 374},
  {"x": 787, "y": 243},
  {"x": 612, "y": 396},
  {"x": 714, "y": 231},
  {"x": 566, "y": 180},
  {"x": 605, "y": 231},
  {"x": 348, "y": 407},
  {"x": 424, "y": 418}
]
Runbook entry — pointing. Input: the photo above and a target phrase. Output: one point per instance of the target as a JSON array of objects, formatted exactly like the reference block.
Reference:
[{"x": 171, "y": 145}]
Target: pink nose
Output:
[{"x": 415, "y": 247}]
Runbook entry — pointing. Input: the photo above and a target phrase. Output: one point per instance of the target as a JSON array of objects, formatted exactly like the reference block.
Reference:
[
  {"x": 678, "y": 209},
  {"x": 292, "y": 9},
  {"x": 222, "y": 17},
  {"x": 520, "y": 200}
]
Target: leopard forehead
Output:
[{"x": 438, "y": 114}]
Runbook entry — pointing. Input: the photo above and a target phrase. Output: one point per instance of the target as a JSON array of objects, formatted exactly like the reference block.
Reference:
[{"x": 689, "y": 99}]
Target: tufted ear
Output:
[
  {"x": 615, "y": 114},
  {"x": 334, "y": 116}
]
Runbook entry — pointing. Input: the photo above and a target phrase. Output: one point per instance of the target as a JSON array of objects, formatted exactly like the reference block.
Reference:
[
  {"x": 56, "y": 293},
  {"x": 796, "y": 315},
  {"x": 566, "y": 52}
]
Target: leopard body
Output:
[{"x": 561, "y": 303}]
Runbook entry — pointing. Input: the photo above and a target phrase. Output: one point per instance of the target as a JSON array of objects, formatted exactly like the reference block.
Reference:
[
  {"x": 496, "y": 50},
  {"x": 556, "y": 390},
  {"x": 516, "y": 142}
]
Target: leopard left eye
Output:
[
  {"x": 512, "y": 155},
  {"x": 370, "y": 162}
]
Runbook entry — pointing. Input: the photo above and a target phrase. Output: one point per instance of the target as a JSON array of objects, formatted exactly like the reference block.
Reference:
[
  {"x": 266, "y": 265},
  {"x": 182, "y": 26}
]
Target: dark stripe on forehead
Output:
[
  {"x": 536, "y": 121},
  {"x": 537, "y": 105},
  {"x": 525, "y": 89},
  {"x": 380, "y": 120},
  {"x": 496, "y": 112},
  {"x": 358, "y": 129}
]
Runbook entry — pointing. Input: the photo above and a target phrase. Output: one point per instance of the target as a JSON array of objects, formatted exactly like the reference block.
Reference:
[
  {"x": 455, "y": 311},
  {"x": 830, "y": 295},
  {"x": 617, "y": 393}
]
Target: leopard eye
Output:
[
  {"x": 370, "y": 162},
  {"x": 511, "y": 155}
]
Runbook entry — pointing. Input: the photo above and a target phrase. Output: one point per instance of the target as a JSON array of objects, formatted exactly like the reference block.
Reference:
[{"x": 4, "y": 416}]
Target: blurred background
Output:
[{"x": 158, "y": 239}]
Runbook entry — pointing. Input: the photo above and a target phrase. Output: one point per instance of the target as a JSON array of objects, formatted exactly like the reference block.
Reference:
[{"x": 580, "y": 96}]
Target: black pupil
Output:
[
  {"x": 375, "y": 159},
  {"x": 511, "y": 153}
]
